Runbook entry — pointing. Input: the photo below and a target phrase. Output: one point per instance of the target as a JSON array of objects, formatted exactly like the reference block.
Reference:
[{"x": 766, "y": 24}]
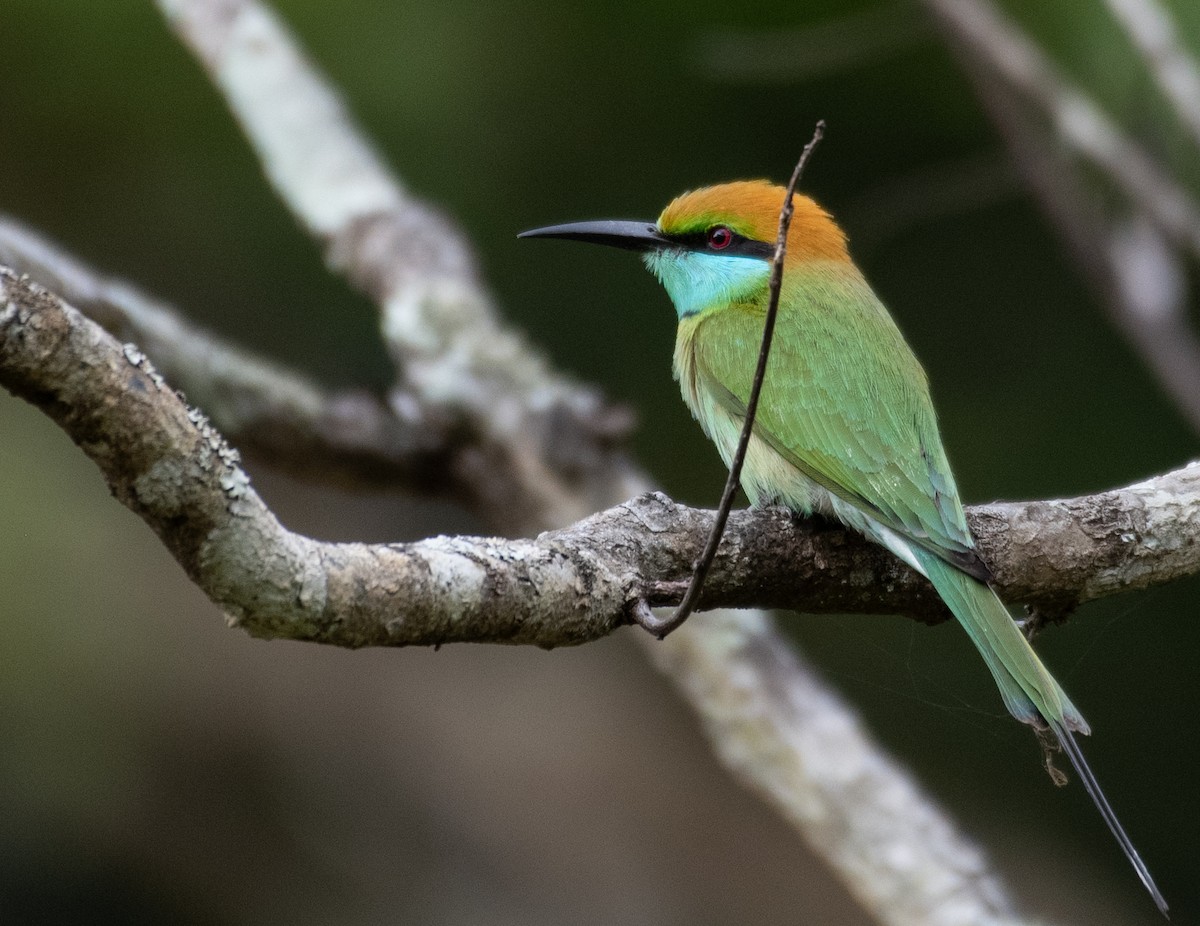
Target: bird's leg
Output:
[
  {"x": 1032, "y": 623},
  {"x": 1051, "y": 747}
]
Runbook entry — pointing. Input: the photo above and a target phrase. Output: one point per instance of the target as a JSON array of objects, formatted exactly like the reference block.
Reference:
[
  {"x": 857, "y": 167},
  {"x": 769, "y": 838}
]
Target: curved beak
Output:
[{"x": 632, "y": 236}]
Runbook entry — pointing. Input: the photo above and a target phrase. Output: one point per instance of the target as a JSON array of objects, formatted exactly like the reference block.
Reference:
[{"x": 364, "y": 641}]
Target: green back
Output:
[{"x": 845, "y": 401}]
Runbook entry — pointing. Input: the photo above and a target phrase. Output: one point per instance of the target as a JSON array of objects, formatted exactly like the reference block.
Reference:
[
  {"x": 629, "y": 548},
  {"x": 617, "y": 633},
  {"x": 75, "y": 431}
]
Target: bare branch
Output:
[
  {"x": 171, "y": 467},
  {"x": 166, "y": 463}
]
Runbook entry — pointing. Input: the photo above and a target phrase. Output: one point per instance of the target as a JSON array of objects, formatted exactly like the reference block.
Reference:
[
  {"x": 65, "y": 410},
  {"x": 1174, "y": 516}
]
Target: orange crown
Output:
[{"x": 751, "y": 208}]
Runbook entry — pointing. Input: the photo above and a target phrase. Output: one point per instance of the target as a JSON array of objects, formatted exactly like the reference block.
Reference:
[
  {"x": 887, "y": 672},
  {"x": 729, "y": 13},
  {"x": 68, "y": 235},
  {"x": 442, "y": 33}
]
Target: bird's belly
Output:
[
  {"x": 770, "y": 479},
  {"x": 767, "y": 477}
]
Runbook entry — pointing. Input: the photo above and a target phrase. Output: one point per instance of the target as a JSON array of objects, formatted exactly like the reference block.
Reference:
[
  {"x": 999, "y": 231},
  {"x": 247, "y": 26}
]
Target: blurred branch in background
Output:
[
  {"x": 349, "y": 439},
  {"x": 1127, "y": 263},
  {"x": 1153, "y": 32},
  {"x": 536, "y": 447},
  {"x": 978, "y": 29},
  {"x": 1130, "y": 254},
  {"x": 525, "y": 448}
]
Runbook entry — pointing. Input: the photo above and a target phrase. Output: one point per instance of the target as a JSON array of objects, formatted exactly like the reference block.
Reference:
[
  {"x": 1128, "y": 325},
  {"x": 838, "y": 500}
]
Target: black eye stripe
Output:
[{"x": 740, "y": 246}]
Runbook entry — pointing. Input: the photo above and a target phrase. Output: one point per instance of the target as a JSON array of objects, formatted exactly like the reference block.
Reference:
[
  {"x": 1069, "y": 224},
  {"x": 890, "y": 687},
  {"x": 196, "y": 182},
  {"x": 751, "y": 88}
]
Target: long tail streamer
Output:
[{"x": 1071, "y": 748}]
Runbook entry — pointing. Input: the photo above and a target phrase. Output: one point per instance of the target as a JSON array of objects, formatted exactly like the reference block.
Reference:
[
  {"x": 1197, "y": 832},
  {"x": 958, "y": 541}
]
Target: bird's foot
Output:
[
  {"x": 1032, "y": 623},
  {"x": 1050, "y": 748}
]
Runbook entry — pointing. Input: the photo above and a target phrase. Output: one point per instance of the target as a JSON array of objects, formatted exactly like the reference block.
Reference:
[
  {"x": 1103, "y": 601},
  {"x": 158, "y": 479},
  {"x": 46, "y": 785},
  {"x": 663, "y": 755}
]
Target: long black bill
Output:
[{"x": 632, "y": 236}]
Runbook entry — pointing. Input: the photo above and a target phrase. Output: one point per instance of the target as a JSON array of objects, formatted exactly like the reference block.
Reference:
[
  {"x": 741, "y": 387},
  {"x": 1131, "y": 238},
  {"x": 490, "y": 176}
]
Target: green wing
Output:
[{"x": 845, "y": 402}]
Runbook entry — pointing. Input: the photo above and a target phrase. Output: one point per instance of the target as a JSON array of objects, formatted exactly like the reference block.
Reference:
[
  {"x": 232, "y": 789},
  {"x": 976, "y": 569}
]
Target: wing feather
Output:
[{"x": 845, "y": 401}]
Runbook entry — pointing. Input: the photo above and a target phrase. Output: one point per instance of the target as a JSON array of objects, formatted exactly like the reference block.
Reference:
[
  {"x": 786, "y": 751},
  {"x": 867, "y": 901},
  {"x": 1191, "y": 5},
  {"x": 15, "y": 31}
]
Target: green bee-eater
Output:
[{"x": 845, "y": 426}]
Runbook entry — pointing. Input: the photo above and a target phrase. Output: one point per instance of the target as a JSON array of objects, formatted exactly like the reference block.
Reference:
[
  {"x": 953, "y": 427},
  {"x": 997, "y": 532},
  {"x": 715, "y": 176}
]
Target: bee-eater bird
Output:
[{"x": 845, "y": 425}]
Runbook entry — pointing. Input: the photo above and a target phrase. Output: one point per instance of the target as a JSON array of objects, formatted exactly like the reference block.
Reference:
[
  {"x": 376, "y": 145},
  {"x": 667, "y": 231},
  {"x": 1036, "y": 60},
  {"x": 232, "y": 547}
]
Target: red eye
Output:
[{"x": 719, "y": 238}]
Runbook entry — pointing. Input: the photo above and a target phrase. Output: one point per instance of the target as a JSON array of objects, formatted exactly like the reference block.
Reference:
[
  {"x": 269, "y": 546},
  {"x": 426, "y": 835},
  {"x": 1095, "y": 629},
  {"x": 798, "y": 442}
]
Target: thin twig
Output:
[{"x": 692, "y": 596}]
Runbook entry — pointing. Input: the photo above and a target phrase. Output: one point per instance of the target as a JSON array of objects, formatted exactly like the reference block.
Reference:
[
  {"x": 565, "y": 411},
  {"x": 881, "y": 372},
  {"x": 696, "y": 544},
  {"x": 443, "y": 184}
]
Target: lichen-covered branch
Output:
[{"x": 168, "y": 464}]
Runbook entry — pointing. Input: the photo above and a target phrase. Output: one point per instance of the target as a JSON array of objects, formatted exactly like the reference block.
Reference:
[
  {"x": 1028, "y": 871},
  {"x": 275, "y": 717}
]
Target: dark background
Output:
[{"x": 156, "y": 767}]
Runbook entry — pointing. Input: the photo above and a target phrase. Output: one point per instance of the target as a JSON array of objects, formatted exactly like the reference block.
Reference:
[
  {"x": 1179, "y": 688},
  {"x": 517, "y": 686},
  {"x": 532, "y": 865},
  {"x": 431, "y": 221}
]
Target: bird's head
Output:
[{"x": 713, "y": 247}]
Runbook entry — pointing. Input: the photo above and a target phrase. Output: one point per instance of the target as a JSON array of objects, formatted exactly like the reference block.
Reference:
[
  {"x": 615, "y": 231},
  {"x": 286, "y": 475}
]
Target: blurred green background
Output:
[{"x": 156, "y": 767}]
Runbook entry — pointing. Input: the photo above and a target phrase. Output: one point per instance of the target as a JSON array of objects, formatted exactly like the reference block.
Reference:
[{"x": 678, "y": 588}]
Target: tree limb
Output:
[{"x": 166, "y": 463}]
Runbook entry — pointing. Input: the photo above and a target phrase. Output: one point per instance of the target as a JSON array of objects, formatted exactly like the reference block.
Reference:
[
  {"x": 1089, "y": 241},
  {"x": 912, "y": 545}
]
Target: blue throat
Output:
[{"x": 696, "y": 280}]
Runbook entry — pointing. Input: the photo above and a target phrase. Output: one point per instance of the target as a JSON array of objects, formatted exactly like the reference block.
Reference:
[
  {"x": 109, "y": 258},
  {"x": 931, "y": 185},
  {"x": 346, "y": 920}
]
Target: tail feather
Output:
[
  {"x": 1030, "y": 692},
  {"x": 1071, "y": 748}
]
